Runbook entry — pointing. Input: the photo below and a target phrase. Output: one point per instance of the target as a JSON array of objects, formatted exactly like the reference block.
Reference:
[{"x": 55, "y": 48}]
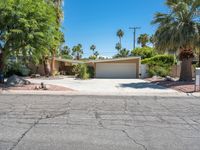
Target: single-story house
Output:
[
  {"x": 65, "y": 66},
  {"x": 117, "y": 68},
  {"x": 108, "y": 68}
]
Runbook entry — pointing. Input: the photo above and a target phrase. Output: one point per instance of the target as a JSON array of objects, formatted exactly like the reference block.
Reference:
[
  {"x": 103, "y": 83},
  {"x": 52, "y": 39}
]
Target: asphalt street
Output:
[{"x": 30, "y": 122}]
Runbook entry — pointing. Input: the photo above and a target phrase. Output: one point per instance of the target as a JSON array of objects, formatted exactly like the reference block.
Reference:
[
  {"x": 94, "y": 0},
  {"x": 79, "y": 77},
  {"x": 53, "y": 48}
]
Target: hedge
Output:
[
  {"x": 144, "y": 52},
  {"x": 159, "y": 65},
  {"x": 159, "y": 59}
]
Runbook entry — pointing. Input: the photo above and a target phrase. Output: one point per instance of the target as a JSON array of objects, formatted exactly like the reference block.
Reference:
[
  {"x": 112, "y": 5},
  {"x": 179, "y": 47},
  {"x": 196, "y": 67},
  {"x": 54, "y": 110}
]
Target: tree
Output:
[
  {"x": 118, "y": 47},
  {"x": 179, "y": 30},
  {"x": 122, "y": 53},
  {"x": 27, "y": 28},
  {"x": 65, "y": 52},
  {"x": 93, "y": 47},
  {"x": 77, "y": 51},
  {"x": 120, "y": 34},
  {"x": 58, "y": 37},
  {"x": 95, "y": 53},
  {"x": 144, "y": 52},
  {"x": 143, "y": 39},
  {"x": 152, "y": 40}
]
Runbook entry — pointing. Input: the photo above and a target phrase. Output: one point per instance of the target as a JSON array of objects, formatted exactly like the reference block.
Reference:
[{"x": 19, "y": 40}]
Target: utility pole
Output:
[{"x": 134, "y": 34}]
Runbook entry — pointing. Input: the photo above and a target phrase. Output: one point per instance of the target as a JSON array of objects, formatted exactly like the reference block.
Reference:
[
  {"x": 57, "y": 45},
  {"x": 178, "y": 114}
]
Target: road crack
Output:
[
  {"x": 25, "y": 133},
  {"x": 133, "y": 140}
]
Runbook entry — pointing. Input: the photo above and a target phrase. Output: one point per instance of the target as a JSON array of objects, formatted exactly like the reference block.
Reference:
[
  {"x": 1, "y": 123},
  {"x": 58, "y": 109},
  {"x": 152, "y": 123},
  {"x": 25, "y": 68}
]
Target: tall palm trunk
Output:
[
  {"x": 120, "y": 41},
  {"x": 186, "y": 70}
]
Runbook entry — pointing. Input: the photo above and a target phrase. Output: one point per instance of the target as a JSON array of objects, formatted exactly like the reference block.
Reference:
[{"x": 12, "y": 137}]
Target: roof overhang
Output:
[
  {"x": 95, "y": 61},
  {"x": 69, "y": 61},
  {"x": 114, "y": 59}
]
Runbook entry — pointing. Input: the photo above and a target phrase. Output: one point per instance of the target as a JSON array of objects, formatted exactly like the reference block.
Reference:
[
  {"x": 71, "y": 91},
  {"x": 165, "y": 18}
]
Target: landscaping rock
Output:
[
  {"x": 35, "y": 75},
  {"x": 168, "y": 78},
  {"x": 156, "y": 77},
  {"x": 46, "y": 87},
  {"x": 37, "y": 87},
  {"x": 16, "y": 81}
]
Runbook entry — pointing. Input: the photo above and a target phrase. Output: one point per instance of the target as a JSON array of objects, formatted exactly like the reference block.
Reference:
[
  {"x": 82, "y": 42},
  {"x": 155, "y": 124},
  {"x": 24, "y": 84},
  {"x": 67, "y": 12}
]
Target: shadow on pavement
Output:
[{"x": 141, "y": 85}]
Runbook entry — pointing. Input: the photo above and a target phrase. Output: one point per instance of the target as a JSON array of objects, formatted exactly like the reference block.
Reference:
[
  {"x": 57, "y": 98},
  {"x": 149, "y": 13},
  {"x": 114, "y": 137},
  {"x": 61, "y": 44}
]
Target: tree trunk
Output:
[
  {"x": 199, "y": 59},
  {"x": 46, "y": 68},
  {"x": 186, "y": 70},
  {"x": 120, "y": 41},
  {"x": 1, "y": 62},
  {"x": 1, "y": 67},
  {"x": 78, "y": 56},
  {"x": 53, "y": 65}
]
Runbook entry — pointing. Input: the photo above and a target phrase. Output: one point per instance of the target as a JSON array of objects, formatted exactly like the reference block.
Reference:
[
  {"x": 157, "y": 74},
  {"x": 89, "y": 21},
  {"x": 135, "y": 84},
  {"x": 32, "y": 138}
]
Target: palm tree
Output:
[
  {"x": 96, "y": 54},
  {"x": 152, "y": 40},
  {"x": 143, "y": 39},
  {"x": 92, "y": 48},
  {"x": 120, "y": 34},
  {"x": 179, "y": 30},
  {"x": 122, "y": 53},
  {"x": 65, "y": 52},
  {"x": 118, "y": 47},
  {"x": 77, "y": 51}
]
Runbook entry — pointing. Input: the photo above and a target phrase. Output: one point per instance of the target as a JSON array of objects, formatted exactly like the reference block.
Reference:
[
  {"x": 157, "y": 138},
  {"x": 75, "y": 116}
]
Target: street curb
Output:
[{"x": 74, "y": 93}]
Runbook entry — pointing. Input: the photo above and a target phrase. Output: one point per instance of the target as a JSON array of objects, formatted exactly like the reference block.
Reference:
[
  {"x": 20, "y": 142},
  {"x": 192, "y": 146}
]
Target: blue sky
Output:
[{"x": 96, "y": 22}]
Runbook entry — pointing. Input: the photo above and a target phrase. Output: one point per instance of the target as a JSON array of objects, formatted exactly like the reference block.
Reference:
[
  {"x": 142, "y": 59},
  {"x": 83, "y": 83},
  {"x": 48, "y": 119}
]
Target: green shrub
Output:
[
  {"x": 81, "y": 71},
  {"x": 159, "y": 60},
  {"x": 159, "y": 65},
  {"x": 144, "y": 52},
  {"x": 93, "y": 57},
  {"x": 91, "y": 71},
  {"x": 66, "y": 57},
  {"x": 16, "y": 68},
  {"x": 158, "y": 71}
]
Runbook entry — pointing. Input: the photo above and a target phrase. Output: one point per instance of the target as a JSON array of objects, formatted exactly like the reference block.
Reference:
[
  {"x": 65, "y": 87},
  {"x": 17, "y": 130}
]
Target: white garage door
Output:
[{"x": 116, "y": 70}]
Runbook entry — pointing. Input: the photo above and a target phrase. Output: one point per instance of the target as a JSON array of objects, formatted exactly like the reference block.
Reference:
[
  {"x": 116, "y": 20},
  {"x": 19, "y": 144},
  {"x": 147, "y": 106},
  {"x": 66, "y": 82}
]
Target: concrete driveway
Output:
[{"x": 108, "y": 86}]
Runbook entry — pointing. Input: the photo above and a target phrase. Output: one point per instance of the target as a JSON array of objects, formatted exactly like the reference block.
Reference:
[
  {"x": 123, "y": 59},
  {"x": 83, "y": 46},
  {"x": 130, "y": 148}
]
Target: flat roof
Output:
[
  {"x": 114, "y": 59},
  {"x": 95, "y": 61},
  {"x": 69, "y": 60}
]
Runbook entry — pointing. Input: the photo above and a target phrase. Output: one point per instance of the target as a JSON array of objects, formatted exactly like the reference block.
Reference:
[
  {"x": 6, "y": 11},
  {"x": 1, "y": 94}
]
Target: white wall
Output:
[{"x": 144, "y": 71}]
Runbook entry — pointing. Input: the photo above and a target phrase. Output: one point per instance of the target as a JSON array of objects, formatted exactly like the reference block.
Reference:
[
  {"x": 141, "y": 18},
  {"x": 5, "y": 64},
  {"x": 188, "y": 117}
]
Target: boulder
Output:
[{"x": 16, "y": 81}]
